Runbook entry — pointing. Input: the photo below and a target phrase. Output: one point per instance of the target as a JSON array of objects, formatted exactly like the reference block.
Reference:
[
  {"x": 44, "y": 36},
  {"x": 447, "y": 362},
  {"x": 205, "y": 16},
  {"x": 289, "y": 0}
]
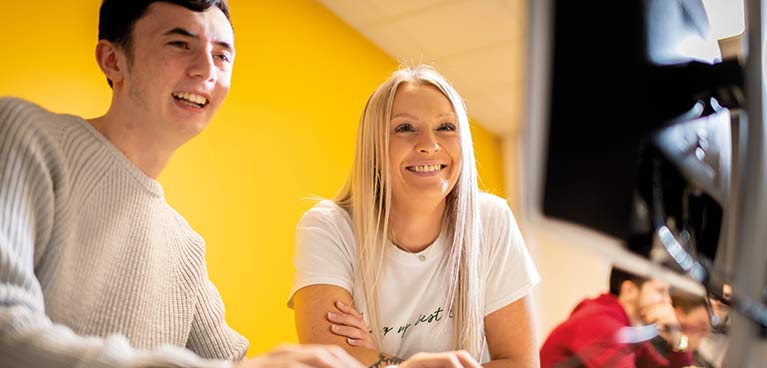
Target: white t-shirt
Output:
[{"x": 413, "y": 292}]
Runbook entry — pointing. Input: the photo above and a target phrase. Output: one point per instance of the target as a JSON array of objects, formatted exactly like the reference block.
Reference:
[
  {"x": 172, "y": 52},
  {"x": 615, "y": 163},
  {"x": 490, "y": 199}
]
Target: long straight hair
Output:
[{"x": 367, "y": 197}]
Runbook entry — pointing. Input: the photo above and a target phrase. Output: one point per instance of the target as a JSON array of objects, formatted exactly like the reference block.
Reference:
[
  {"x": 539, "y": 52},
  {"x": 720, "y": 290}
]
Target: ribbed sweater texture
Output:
[{"x": 96, "y": 269}]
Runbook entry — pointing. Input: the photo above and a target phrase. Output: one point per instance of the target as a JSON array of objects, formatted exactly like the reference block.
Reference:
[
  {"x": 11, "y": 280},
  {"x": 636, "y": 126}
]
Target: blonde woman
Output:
[{"x": 430, "y": 262}]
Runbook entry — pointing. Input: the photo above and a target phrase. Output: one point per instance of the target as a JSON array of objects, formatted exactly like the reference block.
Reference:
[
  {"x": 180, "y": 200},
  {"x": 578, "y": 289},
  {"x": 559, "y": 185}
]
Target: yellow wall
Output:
[
  {"x": 286, "y": 132},
  {"x": 490, "y": 163}
]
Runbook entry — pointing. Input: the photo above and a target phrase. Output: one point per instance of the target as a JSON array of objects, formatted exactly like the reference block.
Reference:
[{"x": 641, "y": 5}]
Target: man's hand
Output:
[
  {"x": 664, "y": 316},
  {"x": 303, "y": 356},
  {"x": 451, "y": 359}
]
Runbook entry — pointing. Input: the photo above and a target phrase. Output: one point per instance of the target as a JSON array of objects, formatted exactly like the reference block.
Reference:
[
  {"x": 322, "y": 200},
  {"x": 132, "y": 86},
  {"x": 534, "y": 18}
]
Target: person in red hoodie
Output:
[{"x": 614, "y": 329}]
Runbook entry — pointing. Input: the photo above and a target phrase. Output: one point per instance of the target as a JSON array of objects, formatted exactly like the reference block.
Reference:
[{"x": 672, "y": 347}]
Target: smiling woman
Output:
[
  {"x": 424, "y": 149},
  {"x": 413, "y": 191}
]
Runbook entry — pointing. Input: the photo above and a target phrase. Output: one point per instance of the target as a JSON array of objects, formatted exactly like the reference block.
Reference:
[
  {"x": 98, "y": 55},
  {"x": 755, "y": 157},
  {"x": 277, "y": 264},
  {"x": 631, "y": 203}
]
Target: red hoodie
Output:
[{"x": 589, "y": 339}]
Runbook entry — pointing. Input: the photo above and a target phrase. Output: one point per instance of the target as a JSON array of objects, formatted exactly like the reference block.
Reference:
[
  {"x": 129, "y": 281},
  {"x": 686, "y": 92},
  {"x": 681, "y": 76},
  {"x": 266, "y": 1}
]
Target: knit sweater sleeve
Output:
[
  {"x": 32, "y": 184},
  {"x": 210, "y": 336}
]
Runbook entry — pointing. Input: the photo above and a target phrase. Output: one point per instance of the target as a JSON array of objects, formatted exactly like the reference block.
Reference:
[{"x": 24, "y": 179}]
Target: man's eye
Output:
[
  {"x": 179, "y": 44},
  {"x": 448, "y": 127},
  {"x": 402, "y": 128},
  {"x": 223, "y": 57}
]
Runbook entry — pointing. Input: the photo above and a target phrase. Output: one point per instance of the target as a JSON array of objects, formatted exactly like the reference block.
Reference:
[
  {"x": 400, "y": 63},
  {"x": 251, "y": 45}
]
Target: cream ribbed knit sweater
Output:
[{"x": 96, "y": 269}]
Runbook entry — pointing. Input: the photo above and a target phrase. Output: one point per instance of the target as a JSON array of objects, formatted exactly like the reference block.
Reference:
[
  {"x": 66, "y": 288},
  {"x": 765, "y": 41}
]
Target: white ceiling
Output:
[{"x": 477, "y": 44}]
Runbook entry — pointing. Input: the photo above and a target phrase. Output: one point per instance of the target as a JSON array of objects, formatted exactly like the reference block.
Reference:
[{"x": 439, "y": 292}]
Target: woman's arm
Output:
[
  {"x": 312, "y": 305},
  {"x": 511, "y": 336}
]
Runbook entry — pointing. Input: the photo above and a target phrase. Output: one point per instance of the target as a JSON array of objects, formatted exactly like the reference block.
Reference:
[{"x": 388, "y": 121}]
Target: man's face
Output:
[
  {"x": 180, "y": 69},
  {"x": 653, "y": 292},
  {"x": 696, "y": 324}
]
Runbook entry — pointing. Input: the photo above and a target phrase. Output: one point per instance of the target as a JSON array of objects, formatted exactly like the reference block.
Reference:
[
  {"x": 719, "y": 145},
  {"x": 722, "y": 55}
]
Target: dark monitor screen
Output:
[{"x": 618, "y": 73}]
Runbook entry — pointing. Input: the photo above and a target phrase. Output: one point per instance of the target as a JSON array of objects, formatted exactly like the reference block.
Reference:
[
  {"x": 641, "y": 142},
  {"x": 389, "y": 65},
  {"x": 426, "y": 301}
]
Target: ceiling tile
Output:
[
  {"x": 498, "y": 109},
  {"x": 356, "y": 13},
  {"x": 388, "y": 9},
  {"x": 477, "y": 45},
  {"x": 455, "y": 27},
  {"x": 483, "y": 68}
]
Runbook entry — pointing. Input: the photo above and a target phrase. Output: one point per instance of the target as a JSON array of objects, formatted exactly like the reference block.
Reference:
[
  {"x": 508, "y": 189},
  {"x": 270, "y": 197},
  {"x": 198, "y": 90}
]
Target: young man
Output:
[
  {"x": 614, "y": 329},
  {"x": 96, "y": 269},
  {"x": 695, "y": 323}
]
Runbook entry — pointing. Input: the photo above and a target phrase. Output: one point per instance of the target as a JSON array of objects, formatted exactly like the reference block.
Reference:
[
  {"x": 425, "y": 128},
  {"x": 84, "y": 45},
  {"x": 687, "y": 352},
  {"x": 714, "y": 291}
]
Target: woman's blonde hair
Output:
[{"x": 367, "y": 197}]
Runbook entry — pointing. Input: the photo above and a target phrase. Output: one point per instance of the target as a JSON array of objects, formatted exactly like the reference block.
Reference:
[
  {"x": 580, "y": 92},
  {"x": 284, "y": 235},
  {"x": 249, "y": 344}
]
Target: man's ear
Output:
[
  {"x": 629, "y": 289},
  {"x": 112, "y": 61}
]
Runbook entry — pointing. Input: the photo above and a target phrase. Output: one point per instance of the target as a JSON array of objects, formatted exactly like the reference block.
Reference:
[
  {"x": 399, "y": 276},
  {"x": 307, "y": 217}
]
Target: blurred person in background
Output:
[
  {"x": 694, "y": 322},
  {"x": 614, "y": 329},
  {"x": 713, "y": 346}
]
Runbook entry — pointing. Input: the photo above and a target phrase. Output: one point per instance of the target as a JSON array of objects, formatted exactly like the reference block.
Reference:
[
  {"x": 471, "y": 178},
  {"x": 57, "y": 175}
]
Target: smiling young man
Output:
[{"x": 96, "y": 269}]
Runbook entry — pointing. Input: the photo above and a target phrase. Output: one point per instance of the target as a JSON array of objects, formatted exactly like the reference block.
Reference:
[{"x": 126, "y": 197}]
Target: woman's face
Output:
[{"x": 424, "y": 144}]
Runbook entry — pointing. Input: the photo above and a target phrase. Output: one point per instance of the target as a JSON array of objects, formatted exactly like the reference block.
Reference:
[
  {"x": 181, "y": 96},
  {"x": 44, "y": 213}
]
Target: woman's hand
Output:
[
  {"x": 450, "y": 359},
  {"x": 347, "y": 322}
]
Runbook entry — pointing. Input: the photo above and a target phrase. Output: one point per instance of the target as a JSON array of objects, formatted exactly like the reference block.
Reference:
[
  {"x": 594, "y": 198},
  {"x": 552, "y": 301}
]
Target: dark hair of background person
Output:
[{"x": 618, "y": 276}]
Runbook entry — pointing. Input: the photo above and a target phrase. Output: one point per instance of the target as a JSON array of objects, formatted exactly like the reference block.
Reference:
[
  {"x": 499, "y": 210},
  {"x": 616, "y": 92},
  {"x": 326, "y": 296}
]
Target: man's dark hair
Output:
[
  {"x": 686, "y": 301},
  {"x": 618, "y": 276},
  {"x": 117, "y": 18}
]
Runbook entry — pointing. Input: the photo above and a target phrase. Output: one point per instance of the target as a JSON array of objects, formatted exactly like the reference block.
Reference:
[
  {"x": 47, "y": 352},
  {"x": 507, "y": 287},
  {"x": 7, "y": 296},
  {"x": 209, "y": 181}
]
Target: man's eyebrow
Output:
[
  {"x": 186, "y": 33},
  {"x": 182, "y": 32}
]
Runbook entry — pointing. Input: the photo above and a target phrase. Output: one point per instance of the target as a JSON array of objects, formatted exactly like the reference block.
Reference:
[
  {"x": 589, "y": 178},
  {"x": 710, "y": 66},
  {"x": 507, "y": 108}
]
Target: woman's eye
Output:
[
  {"x": 402, "y": 128},
  {"x": 448, "y": 127}
]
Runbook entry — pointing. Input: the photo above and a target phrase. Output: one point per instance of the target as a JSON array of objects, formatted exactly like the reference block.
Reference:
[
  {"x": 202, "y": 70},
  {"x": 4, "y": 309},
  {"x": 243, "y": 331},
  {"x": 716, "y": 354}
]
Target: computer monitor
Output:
[
  {"x": 617, "y": 73},
  {"x": 638, "y": 130}
]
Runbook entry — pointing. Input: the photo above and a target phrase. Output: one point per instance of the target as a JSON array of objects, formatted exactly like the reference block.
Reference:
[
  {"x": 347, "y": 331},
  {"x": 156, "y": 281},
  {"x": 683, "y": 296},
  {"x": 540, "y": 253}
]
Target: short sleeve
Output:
[
  {"x": 509, "y": 269},
  {"x": 324, "y": 249}
]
